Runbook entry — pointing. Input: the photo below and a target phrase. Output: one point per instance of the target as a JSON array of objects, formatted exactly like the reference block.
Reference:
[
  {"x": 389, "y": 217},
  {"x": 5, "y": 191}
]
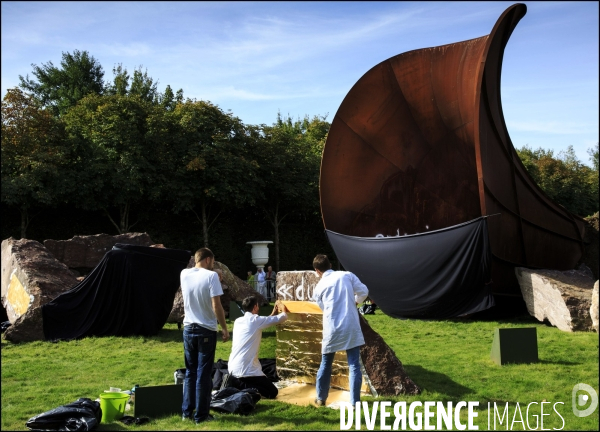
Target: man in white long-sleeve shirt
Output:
[
  {"x": 337, "y": 294},
  {"x": 244, "y": 368}
]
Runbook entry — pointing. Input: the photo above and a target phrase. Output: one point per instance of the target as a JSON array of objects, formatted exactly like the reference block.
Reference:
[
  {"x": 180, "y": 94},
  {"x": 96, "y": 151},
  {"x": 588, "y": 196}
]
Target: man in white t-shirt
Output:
[
  {"x": 244, "y": 368},
  {"x": 201, "y": 291},
  {"x": 337, "y": 294}
]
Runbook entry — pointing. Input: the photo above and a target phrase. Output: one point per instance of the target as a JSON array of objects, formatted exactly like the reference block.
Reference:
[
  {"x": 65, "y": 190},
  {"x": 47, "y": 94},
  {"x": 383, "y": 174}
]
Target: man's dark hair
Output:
[
  {"x": 203, "y": 253},
  {"x": 321, "y": 263},
  {"x": 248, "y": 303}
]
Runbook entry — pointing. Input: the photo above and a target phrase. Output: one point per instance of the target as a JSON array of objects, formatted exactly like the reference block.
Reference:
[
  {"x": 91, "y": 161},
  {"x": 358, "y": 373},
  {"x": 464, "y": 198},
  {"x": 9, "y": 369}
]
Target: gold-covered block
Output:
[{"x": 298, "y": 352}]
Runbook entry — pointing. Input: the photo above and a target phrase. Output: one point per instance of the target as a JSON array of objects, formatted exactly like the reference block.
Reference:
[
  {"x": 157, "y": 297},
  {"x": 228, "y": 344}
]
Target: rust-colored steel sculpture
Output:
[{"x": 420, "y": 143}]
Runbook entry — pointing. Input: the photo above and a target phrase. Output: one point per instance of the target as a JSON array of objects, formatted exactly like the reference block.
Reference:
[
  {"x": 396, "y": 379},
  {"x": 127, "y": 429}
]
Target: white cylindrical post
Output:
[
  {"x": 260, "y": 252},
  {"x": 260, "y": 257}
]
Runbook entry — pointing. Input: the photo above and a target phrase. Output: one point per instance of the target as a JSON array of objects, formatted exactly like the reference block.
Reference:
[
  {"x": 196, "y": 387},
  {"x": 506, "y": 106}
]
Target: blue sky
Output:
[{"x": 302, "y": 58}]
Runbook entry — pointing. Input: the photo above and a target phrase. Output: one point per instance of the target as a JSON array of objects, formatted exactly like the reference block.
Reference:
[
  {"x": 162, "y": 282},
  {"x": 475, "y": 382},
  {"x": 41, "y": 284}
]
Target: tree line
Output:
[
  {"x": 564, "y": 178},
  {"x": 122, "y": 148}
]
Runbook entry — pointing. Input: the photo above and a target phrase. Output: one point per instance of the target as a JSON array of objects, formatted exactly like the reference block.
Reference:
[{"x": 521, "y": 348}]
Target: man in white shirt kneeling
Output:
[{"x": 244, "y": 368}]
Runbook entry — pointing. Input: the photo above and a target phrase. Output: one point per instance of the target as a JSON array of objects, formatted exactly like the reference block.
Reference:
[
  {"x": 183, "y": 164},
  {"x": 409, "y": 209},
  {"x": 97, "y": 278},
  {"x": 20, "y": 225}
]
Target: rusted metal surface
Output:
[{"x": 420, "y": 143}]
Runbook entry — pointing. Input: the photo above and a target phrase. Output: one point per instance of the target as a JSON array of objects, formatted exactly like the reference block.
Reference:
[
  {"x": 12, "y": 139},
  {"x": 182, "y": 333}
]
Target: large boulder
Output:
[
  {"x": 562, "y": 298},
  {"x": 238, "y": 289},
  {"x": 594, "y": 307},
  {"x": 177, "y": 313},
  {"x": 233, "y": 289},
  {"x": 31, "y": 277},
  {"x": 296, "y": 285},
  {"x": 383, "y": 374},
  {"x": 28, "y": 327},
  {"x": 384, "y": 369},
  {"x": 88, "y": 251}
]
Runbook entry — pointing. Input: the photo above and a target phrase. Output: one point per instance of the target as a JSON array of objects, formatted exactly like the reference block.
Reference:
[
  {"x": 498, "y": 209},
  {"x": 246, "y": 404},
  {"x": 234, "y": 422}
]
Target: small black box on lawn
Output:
[
  {"x": 515, "y": 345},
  {"x": 158, "y": 401}
]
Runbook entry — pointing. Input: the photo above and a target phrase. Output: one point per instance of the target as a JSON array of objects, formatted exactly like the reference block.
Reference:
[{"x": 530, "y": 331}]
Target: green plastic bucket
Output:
[{"x": 113, "y": 406}]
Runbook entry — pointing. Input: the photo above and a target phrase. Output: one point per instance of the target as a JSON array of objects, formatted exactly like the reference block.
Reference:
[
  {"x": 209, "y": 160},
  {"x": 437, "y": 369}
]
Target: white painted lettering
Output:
[
  {"x": 384, "y": 414},
  {"x": 370, "y": 416},
  {"x": 533, "y": 415},
  {"x": 517, "y": 410},
  {"x": 542, "y": 415},
  {"x": 561, "y": 417},
  {"x": 427, "y": 415},
  {"x": 400, "y": 416},
  {"x": 472, "y": 415},
  {"x": 412, "y": 415},
  {"x": 503, "y": 415},
  {"x": 457, "y": 409},
  {"x": 345, "y": 421},
  {"x": 443, "y": 414}
]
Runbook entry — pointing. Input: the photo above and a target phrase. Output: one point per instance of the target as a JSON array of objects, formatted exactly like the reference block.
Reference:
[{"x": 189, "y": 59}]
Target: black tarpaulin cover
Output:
[
  {"x": 234, "y": 401},
  {"x": 82, "y": 415},
  {"x": 438, "y": 274},
  {"x": 130, "y": 292}
]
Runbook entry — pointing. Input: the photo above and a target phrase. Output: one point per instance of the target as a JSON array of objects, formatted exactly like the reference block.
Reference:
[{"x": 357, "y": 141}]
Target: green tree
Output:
[
  {"x": 33, "y": 156},
  {"x": 114, "y": 163},
  {"x": 563, "y": 178},
  {"x": 290, "y": 158},
  {"x": 215, "y": 169},
  {"x": 167, "y": 99},
  {"x": 120, "y": 82},
  {"x": 144, "y": 86},
  {"x": 593, "y": 152},
  {"x": 60, "y": 88},
  {"x": 141, "y": 84}
]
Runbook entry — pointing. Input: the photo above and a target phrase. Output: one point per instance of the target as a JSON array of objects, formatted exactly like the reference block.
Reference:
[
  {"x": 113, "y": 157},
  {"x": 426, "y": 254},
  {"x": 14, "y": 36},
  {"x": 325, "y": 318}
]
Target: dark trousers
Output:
[
  {"x": 199, "y": 345},
  {"x": 261, "y": 383},
  {"x": 271, "y": 290}
]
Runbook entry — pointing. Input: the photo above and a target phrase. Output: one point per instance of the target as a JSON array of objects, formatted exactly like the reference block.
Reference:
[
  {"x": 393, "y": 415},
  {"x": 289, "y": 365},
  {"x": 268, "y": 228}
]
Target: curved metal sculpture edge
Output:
[{"x": 420, "y": 143}]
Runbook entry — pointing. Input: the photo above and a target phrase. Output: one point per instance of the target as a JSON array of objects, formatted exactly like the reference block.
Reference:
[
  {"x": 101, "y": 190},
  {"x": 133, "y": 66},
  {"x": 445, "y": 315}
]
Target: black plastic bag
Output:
[
  {"x": 219, "y": 370},
  {"x": 367, "y": 309},
  {"x": 234, "y": 401},
  {"x": 130, "y": 420},
  {"x": 179, "y": 375},
  {"x": 5, "y": 325},
  {"x": 82, "y": 415}
]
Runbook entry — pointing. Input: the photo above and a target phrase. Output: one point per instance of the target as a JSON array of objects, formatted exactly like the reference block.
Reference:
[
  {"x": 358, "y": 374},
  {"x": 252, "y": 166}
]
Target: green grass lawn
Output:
[{"x": 449, "y": 360}]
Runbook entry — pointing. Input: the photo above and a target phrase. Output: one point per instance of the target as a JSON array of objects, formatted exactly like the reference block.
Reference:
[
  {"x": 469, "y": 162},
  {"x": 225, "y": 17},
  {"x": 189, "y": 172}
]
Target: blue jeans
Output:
[
  {"x": 199, "y": 345},
  {"x": 324, "y": 375}
]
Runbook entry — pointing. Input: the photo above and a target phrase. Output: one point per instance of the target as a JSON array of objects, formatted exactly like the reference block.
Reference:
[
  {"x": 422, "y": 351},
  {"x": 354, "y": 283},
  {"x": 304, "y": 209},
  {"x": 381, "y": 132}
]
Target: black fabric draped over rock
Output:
[
  {"x": 438, "y": 274},
  {"x": 130, "y": 292}
]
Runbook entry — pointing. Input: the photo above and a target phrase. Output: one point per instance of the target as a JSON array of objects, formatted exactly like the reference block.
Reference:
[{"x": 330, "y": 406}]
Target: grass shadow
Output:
[
  {"x": 560, "y": 362},
  {"x": 436, "y": 382},
  {"x": 168, "y": 335},
  {"x": 114, "y": 426},
  {"x": 275, "y": 414}
]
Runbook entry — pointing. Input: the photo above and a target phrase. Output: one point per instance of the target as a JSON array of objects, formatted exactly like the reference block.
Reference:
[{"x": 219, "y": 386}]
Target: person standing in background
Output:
[
  {"x": 261, "y": 283},
  {"x": 271, "y": 277},
  {"x": 250, "y": 280}
]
